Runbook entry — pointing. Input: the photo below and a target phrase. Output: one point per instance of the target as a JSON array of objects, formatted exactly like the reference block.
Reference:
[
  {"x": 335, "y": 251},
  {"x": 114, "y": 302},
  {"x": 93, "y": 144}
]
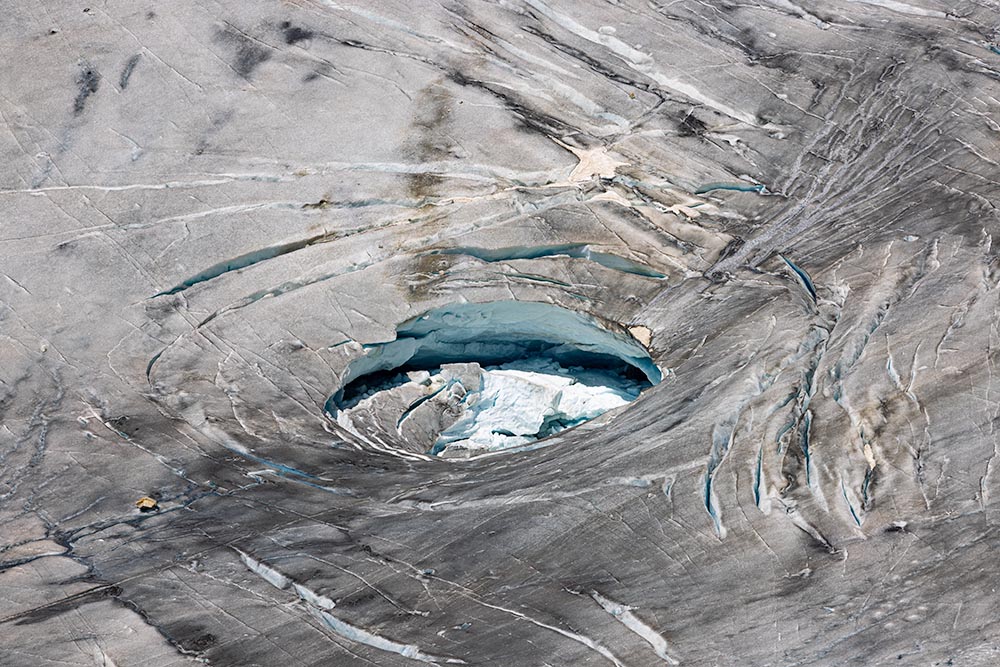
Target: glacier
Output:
[{"x": 521, "y": 333}]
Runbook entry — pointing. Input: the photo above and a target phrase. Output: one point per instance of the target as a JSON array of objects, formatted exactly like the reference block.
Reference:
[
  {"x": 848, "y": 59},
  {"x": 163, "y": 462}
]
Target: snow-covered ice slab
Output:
[
  {"x": 494, "y": 408},
  {"x": 514, "y": 406}
]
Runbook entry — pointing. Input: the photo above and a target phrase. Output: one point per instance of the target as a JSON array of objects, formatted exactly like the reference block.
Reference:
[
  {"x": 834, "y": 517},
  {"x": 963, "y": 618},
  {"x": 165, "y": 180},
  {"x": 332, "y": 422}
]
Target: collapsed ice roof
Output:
[
  {"x": 499, "y": 332},
  {"x": 531, "y": 370}
]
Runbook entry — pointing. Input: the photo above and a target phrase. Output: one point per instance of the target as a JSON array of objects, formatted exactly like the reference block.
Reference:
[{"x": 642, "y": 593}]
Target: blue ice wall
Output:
[{"x": 498, "y": 332}]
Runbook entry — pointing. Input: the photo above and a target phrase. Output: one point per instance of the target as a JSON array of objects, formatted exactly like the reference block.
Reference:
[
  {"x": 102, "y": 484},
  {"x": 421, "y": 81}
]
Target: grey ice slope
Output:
[{"x": 210, "y": 211}]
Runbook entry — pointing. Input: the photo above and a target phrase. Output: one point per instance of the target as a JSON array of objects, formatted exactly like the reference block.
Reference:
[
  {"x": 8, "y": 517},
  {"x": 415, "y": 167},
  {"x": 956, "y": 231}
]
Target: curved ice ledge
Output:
[{"x": 473, "y": 378}]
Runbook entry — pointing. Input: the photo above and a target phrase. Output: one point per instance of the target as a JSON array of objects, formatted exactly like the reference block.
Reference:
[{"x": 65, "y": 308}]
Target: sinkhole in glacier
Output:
[{"x": 468, "y": 379}]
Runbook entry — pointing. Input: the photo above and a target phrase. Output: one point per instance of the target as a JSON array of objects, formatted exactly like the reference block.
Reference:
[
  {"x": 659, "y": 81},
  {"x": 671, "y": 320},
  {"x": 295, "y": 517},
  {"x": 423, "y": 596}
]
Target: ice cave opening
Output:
[{"x": 469, "y": 379}]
